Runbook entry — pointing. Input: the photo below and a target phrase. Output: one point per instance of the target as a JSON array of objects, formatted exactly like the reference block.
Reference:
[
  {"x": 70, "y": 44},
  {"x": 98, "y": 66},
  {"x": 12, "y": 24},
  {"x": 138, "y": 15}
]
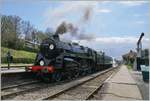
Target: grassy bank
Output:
[{"x": 19, "y": 56}]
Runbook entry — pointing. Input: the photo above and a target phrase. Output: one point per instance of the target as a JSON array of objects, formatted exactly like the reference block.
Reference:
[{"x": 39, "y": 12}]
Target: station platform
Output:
[
  {"x": 15, "y": 65},
  {"x": 143, "y": 85},
  {"x": 12, "y": 70},
  {"x": 120, "y": 86}
]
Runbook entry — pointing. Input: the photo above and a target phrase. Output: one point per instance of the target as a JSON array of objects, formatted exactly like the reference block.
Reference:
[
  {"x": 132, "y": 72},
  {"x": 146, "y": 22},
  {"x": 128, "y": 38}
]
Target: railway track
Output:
[
  {"x": 93, "y": 94},
  {"x": 18, "y": 85},
  {"x": 84, "y": 90},
  {"x": 11, "y": 91},
  {"x": 42, "y": 91},
  {"x": 16, "y": 78},
  {"x": 14, "y": 90}
]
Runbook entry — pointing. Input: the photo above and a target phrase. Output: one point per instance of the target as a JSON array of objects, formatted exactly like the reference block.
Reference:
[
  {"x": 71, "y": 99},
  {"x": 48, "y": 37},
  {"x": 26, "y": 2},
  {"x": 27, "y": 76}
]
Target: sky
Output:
[{"x": 114, "y": 25}]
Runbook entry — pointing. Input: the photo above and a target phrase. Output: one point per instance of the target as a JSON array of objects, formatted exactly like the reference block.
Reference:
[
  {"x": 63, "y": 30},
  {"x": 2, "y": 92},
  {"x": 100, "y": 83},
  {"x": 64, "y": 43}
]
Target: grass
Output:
[{"x": 18, "y": 54}]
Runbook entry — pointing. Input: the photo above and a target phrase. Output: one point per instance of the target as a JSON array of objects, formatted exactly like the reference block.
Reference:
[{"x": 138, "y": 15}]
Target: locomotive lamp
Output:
[
  {"x": 51, "y": 46},
  {"x": 42, "y": 63}
]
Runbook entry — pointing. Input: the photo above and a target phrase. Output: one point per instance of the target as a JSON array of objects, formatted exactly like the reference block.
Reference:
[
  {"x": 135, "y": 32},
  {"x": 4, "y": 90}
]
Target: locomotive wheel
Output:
[
  {"x": 38, "y": 75},
  {"x": 46, "y": 77},
  {"x": 69, "y": 76},
  {"x": 57, "y": 76},
  {"x": 83, "y": 73},
  {"x": 89, "y": 71},
  {"x": 76, "y": 74}
]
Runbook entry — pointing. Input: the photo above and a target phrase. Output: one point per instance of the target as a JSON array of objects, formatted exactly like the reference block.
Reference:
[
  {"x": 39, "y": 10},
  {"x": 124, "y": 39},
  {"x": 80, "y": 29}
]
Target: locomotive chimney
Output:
[{"x": 56, "y": 37}]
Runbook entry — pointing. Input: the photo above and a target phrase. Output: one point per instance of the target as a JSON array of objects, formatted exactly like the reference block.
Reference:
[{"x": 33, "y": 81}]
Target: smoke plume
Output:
[
  {"x": 87, "y": 37},
  {"x": 65, "y": 27},
  {"x": 62, "y": 28},
  {"x": 87, "y": 14},
  {"x": 77, "y": 31}
]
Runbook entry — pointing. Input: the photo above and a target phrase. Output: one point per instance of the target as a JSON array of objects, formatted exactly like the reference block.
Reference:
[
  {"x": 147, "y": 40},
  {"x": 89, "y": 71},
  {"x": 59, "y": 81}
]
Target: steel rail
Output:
[
  {"x": 22, "y": 84},
  {"x": 98, "y": 88},
  {"x": 19, "y": 92},
  {"x": 78, "y": 84},
  {"x": 6, "y": 96}
]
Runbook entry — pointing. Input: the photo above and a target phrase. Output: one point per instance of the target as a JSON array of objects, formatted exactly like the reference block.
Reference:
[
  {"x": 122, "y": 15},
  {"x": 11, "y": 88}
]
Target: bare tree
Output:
[
  {"x": 27, "y": 30},
  {"x": 10, "y": 30}
]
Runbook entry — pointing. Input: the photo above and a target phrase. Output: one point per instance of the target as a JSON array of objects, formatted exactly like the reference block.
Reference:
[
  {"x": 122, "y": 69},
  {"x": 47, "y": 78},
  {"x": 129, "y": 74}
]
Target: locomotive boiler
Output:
[{"x": 57, "y": 59}]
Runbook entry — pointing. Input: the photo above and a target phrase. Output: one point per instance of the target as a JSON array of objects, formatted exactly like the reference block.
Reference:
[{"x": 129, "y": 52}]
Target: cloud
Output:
[
  {"x": 117, "y": 40},
  {"x": 105, "y": 2},
  {"x": 133, "y": 3},
  {"x": 103, "y": 10},
  {"x": 61, "y": 13},
  {"x": 68, "y": 7}
]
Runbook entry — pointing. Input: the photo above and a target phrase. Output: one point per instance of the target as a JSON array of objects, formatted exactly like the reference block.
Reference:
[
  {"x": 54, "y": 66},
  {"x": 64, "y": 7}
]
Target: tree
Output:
[
  {"x": 40, "y": 36},
  {"x": 13, "y": 30},
  {"x": 10, "y": 30},
  {"x": 27, "y": 29}
]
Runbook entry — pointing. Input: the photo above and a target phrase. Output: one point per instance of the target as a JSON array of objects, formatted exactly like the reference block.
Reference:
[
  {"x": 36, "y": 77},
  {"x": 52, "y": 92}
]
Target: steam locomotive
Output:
[{"x": 57, "y": 59}]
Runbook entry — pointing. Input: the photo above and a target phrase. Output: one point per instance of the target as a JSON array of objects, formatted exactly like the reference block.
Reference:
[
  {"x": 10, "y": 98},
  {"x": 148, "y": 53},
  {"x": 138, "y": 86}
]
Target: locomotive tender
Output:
[{"x": 57, "y": 59}]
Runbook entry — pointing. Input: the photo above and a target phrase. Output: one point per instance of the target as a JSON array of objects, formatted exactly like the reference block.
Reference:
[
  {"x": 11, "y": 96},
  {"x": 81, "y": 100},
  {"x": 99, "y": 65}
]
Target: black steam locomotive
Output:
[{"x": 57, "y": 59}]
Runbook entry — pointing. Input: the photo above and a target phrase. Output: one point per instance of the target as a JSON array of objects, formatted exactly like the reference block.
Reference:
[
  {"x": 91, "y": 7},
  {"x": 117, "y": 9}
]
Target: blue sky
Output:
[{"x": 113, "y": 23}]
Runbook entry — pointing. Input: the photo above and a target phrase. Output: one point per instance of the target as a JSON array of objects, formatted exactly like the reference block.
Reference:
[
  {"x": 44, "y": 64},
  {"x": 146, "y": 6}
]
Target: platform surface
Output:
[
  {"x": 143, "y": 86},
  {"x": 12, "y": 70},
  {"x": 16, "y": 64},
  {"x": 121, "y": 86}
]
